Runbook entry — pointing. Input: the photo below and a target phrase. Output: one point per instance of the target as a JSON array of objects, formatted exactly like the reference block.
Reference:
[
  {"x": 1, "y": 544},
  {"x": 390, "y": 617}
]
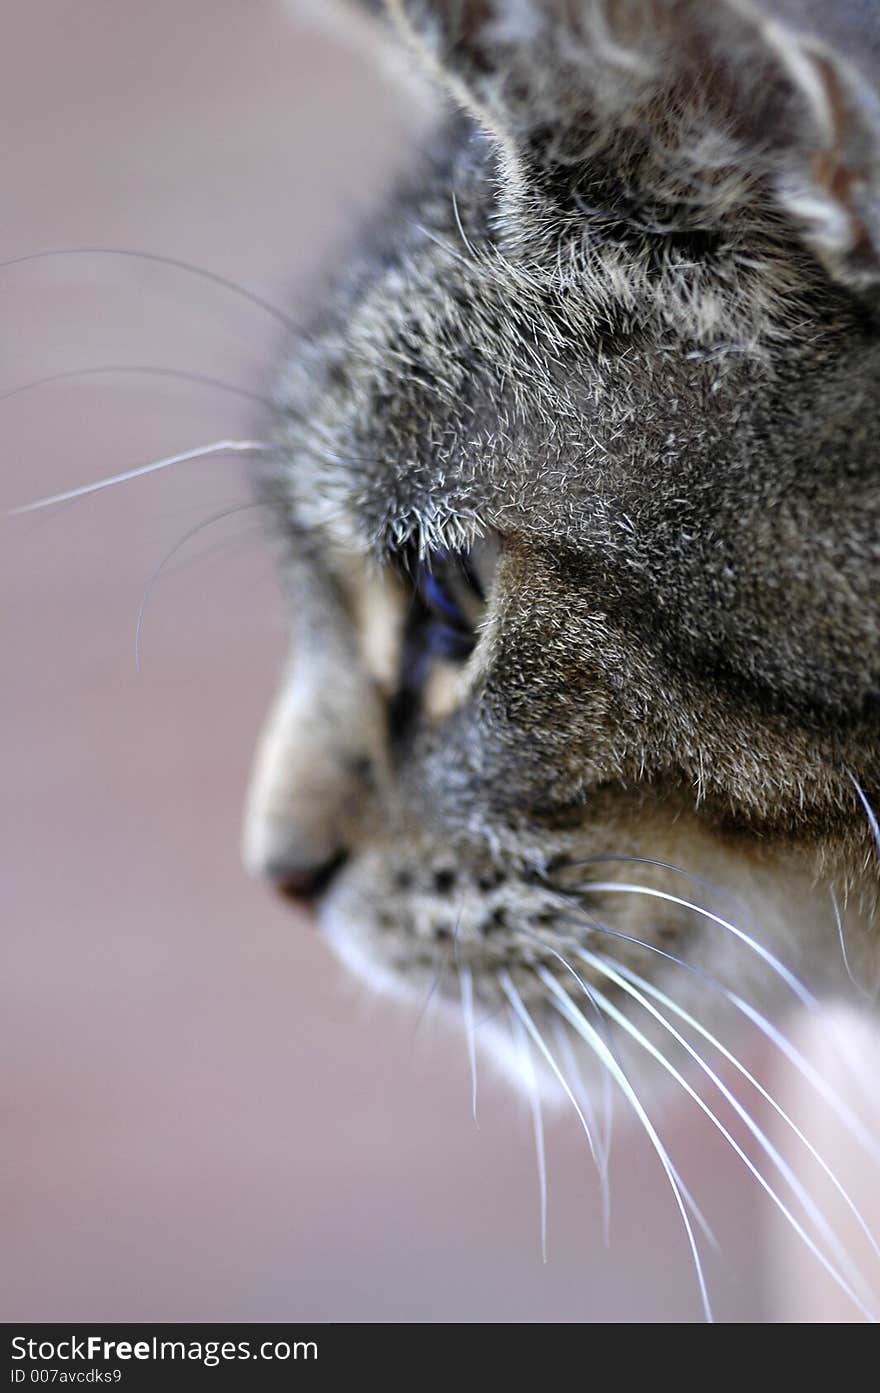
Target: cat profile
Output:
[{"x": 575, "y": 477}]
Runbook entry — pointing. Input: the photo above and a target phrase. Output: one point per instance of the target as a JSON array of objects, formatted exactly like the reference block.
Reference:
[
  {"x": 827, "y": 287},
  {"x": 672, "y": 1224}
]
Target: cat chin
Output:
[{"x": 351, "y": 942}]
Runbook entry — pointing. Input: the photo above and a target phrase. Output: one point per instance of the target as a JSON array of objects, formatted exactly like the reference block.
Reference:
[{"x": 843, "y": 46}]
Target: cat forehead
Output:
[
  {"x": 474, "y": 426},
  {"x": 488, "y": 363}
]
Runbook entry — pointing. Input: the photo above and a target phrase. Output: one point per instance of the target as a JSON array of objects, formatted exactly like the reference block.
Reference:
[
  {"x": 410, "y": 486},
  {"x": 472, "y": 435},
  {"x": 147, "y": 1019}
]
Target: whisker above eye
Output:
[
  {"x": 198, "y": 378},
  {"x": 327, "y": 453},
  {"x": 217, "y": 447},
  {"x": 158, "y": 259},
  {"x": 181, "y": 542},
  {"x": 458, "y": 222}
]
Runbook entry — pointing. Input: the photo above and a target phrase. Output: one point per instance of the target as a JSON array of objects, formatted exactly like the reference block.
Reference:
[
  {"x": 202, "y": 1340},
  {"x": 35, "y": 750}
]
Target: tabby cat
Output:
[{"x": 575, "y": 475}]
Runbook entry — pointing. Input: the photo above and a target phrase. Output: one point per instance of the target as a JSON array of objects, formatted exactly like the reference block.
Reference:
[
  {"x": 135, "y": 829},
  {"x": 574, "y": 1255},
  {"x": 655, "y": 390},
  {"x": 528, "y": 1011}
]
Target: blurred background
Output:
[{"x": 202, "y": 1118}]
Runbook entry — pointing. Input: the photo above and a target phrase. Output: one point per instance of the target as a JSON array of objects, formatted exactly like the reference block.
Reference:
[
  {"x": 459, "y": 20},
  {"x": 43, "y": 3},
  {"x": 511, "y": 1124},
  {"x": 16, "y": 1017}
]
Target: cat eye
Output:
[
  {"x": 449, "y": 590},
  {"x": 453, "y": 597}
]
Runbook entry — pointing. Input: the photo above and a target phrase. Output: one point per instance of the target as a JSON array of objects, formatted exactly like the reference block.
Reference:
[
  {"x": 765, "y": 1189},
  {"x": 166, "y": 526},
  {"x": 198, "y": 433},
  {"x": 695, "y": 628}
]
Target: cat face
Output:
[{"x": 577, "y": 489}]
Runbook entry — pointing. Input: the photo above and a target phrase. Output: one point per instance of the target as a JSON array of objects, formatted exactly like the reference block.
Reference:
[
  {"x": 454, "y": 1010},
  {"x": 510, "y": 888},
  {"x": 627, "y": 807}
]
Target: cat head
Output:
[{"x": 576, "y": 483}]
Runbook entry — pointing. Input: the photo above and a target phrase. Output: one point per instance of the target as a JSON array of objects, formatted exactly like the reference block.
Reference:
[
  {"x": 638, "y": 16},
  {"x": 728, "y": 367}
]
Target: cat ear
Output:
[{"x": 679, "y": 113}]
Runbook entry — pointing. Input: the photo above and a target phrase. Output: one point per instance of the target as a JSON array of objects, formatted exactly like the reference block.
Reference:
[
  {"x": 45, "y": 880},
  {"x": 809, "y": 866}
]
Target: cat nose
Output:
[
  {"x": 313, "y": 778},
  {"x": 303, "y": 883},
  {"x": 297, "y": 860}
]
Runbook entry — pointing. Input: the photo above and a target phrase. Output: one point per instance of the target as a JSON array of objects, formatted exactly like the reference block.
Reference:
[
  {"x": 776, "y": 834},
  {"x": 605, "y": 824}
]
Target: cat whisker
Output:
[
  {"x": 325, "y": 450},
  {"x": 467, "y": 1005},
  {"x": 217, "y": 447},
  {"x": 517, "y": 1003},
  {"x": 177, "y": 374},
  {"x": 809, "y": 1205},
  {"x": 175, "y": 263},
  {"x": 829, "y": 1095},
  {"x": 444, "y": 958},
  {"x": 850, "y": 1120},
  {"x": 862, "y": 990},
  {"x": 611, "y": 887},
  {"x": 444, "y": 245},
  {"x": 461, "y": 232},
  {"x": 654, "y": 991},
  {"x": 571, "y": 1012},
  {"x": 181, "y": 542},
  {"x": 620, "y": 858},
  {"x": 869, "y": 811},
  {"x": 601, "y": 1157},
  {"x": 603, "y": 1137},
  {"x": 691, "y": 1203},
  {"x": 531, "y": 1082},
  {"x": 431, "y": 993},
  {"x": 592, "y": 1037}
]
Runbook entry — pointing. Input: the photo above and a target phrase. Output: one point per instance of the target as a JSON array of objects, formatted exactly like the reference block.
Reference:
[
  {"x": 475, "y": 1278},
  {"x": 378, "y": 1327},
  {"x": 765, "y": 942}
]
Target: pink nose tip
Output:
[{"x": 302, "y": 884}]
